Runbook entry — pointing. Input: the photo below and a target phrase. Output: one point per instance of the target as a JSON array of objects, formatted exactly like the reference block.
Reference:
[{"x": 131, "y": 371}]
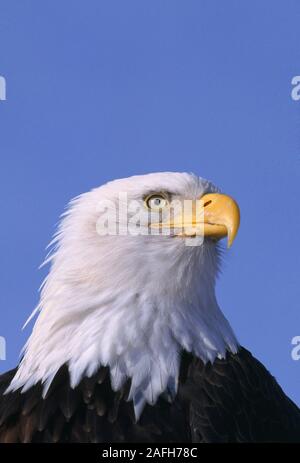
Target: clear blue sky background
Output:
[{"x": 104, "y": 89}]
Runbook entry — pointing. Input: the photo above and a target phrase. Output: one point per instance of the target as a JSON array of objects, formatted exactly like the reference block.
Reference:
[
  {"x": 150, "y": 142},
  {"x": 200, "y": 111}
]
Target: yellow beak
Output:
[
  {"x": 221, "y": 217},
  {"x": 215, "y": 216}
]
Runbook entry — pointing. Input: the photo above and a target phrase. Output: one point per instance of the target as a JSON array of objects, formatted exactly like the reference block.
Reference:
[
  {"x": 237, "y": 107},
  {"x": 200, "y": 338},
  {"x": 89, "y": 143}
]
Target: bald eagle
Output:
[{"x": 130, "y": 344}]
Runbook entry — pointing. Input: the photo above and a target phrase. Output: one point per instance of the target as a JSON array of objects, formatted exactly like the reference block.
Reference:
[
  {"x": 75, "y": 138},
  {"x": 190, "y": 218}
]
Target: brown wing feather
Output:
[
  {"x": 91, "y": 412},
  {"x": 233, "y": 400},
  {"x": 237, "y": 400}
]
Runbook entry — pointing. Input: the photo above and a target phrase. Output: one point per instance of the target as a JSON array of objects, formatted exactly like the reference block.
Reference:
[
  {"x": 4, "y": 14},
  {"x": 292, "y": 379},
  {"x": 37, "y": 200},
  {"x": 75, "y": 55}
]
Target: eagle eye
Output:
[{"x": 156, "y": 201}]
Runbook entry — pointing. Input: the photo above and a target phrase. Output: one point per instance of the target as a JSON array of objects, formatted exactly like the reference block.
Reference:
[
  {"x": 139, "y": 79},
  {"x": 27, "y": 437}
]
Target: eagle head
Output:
[{"x": 132, "y": 285}]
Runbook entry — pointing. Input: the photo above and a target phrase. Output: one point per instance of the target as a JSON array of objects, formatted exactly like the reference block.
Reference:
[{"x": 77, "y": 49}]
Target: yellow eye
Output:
[{"x": 156, "y": 202}]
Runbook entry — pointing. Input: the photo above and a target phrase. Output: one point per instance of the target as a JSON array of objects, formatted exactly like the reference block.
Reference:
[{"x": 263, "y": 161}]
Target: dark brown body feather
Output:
[{"x": 233, "y": 400}]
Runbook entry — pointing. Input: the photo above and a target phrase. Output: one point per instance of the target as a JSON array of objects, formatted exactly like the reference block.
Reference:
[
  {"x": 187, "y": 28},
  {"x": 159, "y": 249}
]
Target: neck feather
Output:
[{"x": 137, "y": 325}]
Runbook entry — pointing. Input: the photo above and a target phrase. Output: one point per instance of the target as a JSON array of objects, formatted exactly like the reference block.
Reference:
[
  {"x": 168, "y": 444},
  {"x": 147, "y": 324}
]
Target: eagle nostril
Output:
[{"x": 207, "y": 203}]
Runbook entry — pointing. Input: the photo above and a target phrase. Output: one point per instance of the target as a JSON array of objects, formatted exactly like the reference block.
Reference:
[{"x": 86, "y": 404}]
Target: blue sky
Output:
[{"x": 98, "y": 90}]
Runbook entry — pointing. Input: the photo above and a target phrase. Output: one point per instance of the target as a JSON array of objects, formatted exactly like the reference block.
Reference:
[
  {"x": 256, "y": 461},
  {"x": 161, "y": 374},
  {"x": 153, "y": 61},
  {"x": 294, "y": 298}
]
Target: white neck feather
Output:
[{"x": 105, "y": 303}]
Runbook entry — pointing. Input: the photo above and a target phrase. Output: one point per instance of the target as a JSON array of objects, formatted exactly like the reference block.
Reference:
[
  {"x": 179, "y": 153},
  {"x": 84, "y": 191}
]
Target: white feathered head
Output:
[{"x": 132, "y": 284}]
